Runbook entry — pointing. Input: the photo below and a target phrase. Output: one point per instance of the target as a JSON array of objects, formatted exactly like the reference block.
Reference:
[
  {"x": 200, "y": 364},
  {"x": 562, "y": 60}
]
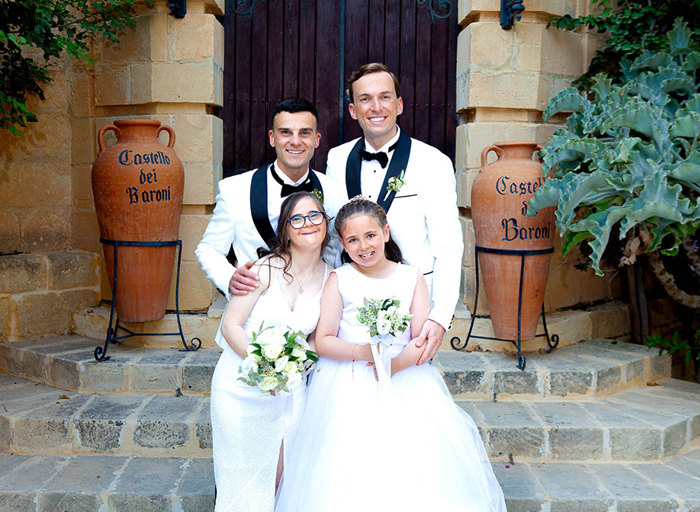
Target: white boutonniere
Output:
[
  {"x": 319, "y": 195},
  {"x": 395, "y": 184}
]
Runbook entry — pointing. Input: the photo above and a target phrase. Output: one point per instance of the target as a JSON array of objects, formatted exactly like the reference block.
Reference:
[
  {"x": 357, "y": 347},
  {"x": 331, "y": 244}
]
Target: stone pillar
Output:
[
  {"x": 171, "y": 70},
  {"x": 504, "y": 81}
]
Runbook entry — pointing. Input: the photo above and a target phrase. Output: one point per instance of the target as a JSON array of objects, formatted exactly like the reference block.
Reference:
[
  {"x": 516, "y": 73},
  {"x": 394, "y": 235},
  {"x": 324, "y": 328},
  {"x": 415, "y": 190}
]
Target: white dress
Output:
[
  {"x": 365, "y": 446},
  {"x": 247, "y": 425}
]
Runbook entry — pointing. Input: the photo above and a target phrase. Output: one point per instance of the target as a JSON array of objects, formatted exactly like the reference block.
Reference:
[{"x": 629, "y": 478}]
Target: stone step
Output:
[
  {"x": 68, "y": 362},
  {"x": 40, "y": 419},
  {"x": 111, "y": 484},
  {"x": 108, "y": 484},
  {"x": 643, "y": 424},
  {"x": 588, "y": 369}
]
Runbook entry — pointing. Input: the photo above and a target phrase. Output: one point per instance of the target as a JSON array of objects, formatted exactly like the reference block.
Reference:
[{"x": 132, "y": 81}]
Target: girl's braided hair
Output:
[{"x": 360, "y": 205}]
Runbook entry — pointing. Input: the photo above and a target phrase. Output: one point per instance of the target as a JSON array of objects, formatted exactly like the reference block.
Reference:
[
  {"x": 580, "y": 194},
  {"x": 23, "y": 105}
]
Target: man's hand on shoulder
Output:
[
  {"x": 431, "y": 336},
  {"x": 243, "y": 280}
]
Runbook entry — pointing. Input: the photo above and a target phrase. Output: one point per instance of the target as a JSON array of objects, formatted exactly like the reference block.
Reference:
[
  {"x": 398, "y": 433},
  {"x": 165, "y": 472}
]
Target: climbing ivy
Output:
[
  {"x": 32, "y": 32},
  {"x": 632, "y": 26}
]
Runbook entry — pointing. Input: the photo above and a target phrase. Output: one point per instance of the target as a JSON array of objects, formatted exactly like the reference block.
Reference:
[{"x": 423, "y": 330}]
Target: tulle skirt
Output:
[{"x": 366, "y": 447}]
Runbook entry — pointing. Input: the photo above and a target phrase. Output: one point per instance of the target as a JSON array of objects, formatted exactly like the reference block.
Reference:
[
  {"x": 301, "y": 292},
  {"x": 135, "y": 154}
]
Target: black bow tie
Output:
[
  {"x": 304, "y": 186},
  {"x": 380, "y": 156}
]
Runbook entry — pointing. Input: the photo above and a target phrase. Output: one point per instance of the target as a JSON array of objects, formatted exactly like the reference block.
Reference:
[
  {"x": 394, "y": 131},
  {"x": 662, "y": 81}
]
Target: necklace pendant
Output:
[{"x": 301, "y": 290}]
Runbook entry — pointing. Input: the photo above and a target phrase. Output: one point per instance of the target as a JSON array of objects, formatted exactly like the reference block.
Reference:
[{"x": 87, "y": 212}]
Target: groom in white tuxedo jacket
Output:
[
  {"x": 413, "y": 182},
  {"x": 248, "y": 204}
]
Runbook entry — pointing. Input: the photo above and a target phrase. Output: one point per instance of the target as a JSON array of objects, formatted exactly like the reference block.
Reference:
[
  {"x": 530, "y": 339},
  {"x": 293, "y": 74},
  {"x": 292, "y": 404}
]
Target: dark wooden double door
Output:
[{"x": 280, "y": 48}]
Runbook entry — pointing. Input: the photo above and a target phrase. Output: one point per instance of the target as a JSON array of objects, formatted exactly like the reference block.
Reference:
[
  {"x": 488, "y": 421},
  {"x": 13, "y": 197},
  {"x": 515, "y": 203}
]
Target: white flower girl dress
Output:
[{"x": 364, "y": 446}]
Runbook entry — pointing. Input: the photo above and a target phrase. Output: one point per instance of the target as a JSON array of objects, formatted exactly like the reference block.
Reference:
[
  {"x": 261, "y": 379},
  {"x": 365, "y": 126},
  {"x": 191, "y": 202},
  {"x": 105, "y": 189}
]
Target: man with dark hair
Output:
[
  {"x": 413, "y": 182},
  {"x": 248, "y": 204}
]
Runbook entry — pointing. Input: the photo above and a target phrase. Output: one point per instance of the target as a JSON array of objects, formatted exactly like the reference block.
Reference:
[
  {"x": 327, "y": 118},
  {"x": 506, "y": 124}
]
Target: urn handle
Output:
[
  {"x": 171, "y": 132},
  {"x": 497, "y": 149},
  {"x": 101, "y": 135}
]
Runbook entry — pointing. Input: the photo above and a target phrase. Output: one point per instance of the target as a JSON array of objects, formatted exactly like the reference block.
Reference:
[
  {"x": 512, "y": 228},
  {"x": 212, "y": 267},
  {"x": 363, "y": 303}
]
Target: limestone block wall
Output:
[
  {"x": 35, "y": 174},
  {"x": 504, "y": 81},
  {"x": 170, "y": 70},
  {"x": 39, "y": 292}
]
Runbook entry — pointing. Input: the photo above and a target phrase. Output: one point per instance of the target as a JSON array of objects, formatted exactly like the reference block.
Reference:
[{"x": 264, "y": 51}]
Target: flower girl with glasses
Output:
[
  {"x": 369, "y": 407},
  {"x": 248, "y": 422}
]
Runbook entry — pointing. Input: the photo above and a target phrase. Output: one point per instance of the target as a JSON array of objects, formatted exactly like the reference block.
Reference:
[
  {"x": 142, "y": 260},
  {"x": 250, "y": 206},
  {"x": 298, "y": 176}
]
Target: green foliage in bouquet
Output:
[
  {"x": 628, "y": 158},
  {"x": 383, "y": 316},
  {"x": 276, "y": 358}
]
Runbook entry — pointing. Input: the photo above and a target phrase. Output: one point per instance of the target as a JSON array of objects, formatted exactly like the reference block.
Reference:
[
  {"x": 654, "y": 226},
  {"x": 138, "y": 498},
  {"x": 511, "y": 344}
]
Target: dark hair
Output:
[
  {"x": 366, "y": 69},
  {"x": 364, "y": 206},
  {"x": 279, "y": 246},
  {"x": 294, "y": 105}
]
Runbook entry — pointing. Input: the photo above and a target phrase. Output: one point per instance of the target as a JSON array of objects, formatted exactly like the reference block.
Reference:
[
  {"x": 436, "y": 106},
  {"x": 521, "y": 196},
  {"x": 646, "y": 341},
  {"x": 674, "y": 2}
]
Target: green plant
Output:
[
  {"x": 633, "y": 26},
  {"x": 628, "y": 160},
  {"x": 689, "y": 350},
  {"x": 32, "y": 32}
]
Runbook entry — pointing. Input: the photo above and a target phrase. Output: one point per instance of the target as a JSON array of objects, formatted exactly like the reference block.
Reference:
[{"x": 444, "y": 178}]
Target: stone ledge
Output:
[
  {"x": 583, "y": 371},
  {"x": 93, "y": 322},
  {"x": 607, "y": 320},
  {"x": 68, "y": 362}
]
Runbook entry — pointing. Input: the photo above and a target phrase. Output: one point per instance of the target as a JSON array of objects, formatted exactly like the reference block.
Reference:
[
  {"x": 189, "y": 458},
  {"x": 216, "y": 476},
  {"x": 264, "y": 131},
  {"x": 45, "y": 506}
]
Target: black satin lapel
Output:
[
  {"x": 352, "y": 170},
  {"x": 258, "y": 205},
  {"x": 316, "y": 182},
  {"x": 399, "y": 162}
]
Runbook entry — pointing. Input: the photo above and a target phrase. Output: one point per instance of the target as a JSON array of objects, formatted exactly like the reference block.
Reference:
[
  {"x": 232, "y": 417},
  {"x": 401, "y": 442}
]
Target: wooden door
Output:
[{"x": 280, "y": 48}]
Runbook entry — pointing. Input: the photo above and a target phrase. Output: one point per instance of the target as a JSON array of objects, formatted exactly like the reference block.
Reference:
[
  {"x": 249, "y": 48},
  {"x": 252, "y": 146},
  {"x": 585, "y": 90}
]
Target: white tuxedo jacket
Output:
[
  {"x": 424, "y": 220},
  {"x": 232, "y": 225}
]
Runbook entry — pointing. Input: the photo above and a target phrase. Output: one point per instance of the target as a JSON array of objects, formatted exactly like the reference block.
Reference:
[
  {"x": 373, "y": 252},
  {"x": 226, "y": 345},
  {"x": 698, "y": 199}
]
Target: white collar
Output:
[
  {"x": 385, "y": 147},
  {"x": 287, "y": 179}
]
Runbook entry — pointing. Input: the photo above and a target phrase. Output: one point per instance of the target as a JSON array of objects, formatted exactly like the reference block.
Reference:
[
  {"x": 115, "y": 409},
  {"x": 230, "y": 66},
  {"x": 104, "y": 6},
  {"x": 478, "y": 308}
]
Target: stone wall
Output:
[
  {"x": 171, "y": 70},
  {"x": 166, "y": 69},
  {"x": 40, "y": 292},
  {"x": 504, "y": 81}
]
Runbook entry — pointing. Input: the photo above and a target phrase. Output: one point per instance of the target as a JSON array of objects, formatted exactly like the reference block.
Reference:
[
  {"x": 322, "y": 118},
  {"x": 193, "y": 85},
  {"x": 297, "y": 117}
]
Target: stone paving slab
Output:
[
  {"x": 38, "y": 419},
  {"x": 645, "y": 424},
  {"x": 91, "y": 483},
  {"x": 68, "y": 362},
  {"x": 588, "y": 369},
  {"x": 582, "y": 371},
  {"x": 109, "y": 484}
]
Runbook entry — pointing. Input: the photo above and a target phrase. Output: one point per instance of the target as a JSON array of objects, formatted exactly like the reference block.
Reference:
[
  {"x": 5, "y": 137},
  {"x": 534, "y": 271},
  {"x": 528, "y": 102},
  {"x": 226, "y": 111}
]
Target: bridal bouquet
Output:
[
  {"x": 276, "y": 359},
  {"x": 383, "y": 317}
]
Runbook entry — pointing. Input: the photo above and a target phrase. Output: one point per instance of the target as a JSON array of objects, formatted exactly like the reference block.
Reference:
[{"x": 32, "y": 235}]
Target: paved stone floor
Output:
[
  {"x": 108, "y": 483},
  {"x": 598, "y": 426}
]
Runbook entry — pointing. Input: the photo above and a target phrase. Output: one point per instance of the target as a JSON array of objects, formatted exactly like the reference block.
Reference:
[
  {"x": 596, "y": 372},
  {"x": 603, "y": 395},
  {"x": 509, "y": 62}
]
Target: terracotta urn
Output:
[
  {"x": 137, "y": 184},
  {"x": 503, "y": 231}
]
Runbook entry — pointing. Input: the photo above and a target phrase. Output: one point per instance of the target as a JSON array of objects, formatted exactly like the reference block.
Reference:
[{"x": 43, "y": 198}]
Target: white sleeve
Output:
[
  {"x": 216, "y": 243},
  {"x": 333, "y": 199},
  {"x": 445, "y": 235}
]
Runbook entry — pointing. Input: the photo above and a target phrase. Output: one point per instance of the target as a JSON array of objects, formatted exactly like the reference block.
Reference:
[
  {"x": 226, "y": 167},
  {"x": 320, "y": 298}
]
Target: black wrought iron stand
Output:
[
  {"x": 101, "y": 352},
  {"x": 552, "y": 342}
]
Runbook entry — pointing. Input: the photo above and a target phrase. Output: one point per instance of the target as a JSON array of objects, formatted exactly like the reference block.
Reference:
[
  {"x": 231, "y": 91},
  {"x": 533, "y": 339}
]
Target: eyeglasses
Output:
[{"x": 299, "y": 221}]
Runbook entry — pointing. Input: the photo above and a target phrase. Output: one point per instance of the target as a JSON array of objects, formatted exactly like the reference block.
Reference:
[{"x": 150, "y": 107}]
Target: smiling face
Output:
[
  {"x": 375, "y": 106},
  {"x": 310, "y": 236},
  {"x": 363, "y": 238},
  {"x": 294, "y": 137}
]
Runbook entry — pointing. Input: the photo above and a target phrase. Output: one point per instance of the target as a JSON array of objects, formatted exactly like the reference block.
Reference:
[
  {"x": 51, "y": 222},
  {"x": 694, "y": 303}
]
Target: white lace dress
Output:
[
  {"x": 247, "y": 425},
  {"x": 371, "y": 447}
]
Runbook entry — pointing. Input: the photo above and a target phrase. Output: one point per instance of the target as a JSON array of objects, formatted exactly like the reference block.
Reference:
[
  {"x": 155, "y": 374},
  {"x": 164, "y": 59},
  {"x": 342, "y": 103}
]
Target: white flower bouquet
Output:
[
  {"x": 384, "y": 317},
  {"x": 276, "y": 359}
]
